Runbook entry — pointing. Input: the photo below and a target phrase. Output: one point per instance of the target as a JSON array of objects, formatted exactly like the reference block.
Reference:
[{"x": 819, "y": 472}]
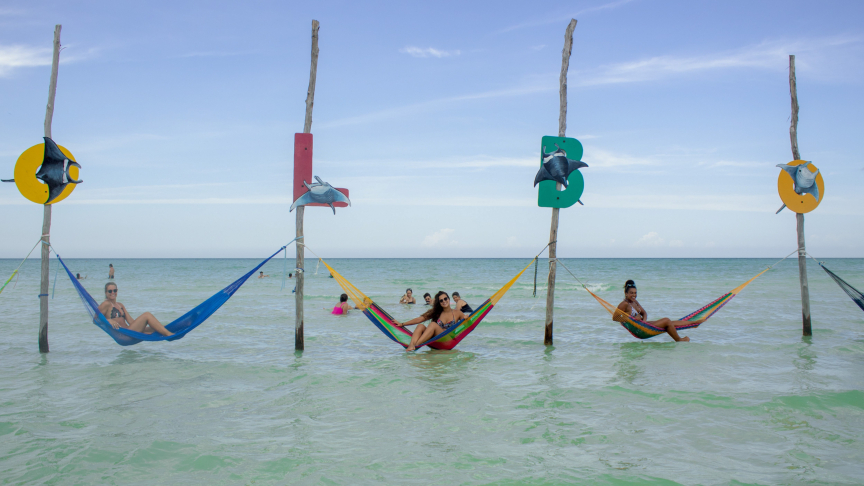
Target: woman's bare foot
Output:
[
  {"x": 685, "y": 339},
  {"x": 410, "y": 348}
]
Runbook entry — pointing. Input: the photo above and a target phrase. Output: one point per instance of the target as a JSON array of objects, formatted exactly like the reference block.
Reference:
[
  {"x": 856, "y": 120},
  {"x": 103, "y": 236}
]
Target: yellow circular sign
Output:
[
  {"x": 25, "y": 175},
  {"x": 800, "y": 203}
]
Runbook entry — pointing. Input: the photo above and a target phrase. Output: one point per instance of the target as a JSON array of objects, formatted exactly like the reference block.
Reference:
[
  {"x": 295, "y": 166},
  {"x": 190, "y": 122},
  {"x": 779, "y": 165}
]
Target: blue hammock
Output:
[
  {"x": 851, "y": 291},
  {"x": 179, "y": 327}
]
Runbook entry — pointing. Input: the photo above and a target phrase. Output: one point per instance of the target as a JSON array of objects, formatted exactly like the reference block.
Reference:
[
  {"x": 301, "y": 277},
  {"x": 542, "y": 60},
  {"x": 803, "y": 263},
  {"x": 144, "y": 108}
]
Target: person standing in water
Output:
[
  {"x": 261, "y": 274},
  {"x": 461, "y": 304},
  {"x": 343, "y": 306},
  {"x": 427, "y": 298},
  {"x": 111, "y": 271},
  {"x": 118, "y": 316},
  {"x": 631, "y": 307},
  {"x": 408, "y": 298},
  {"x": 441, "y": 315}
]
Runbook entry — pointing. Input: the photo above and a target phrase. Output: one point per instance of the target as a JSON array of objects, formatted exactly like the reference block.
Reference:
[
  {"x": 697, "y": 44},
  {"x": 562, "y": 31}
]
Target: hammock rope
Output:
[
  {"x": 180, "y": 327},
  {"x": 851, "y": 291},
  {"x": 644, "y": 330},
  {"x": 20, "y": 265},
  {"x": 447, "y": 339}
]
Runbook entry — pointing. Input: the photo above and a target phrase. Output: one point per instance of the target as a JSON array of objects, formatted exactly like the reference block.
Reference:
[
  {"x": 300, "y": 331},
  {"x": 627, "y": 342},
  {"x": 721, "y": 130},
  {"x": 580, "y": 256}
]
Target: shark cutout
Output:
[
  {"x": 54, "y": 170},
  {"x": 320, "y": 192},
  {"x": 557, "y": 167},
  {"x": 805, "y": 181}
]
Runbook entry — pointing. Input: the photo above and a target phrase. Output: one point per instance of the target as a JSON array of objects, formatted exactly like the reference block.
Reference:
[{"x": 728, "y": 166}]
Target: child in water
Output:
[{"x": 343, "y": 306}]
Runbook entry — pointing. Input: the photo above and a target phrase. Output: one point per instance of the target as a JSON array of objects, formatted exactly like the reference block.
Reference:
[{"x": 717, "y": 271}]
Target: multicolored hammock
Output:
[
  {"x": 644, "y": 330},
  {"x": 180, "y": 327},
  {"x": 446, "y": 340}
]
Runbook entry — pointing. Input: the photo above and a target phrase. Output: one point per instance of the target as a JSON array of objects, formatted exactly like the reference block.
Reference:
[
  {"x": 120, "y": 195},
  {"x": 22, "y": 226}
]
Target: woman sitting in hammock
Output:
[
  {"x": 632, "y": 308},
  {"x": 441, "y": 315},
  {"x": 118, "y": 316}
]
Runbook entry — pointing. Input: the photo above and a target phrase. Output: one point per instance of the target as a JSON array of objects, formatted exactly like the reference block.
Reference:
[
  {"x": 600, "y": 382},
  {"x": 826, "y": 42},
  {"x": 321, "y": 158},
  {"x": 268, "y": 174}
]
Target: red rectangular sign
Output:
[{"x": 303, "y": 169}]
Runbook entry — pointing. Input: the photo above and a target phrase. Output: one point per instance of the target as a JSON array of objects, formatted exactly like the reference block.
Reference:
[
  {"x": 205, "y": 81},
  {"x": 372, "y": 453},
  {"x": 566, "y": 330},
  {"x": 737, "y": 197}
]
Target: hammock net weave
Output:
[
  {"x": 851, "y": 291},
  {"x": 385, "y": 323},
  {"x": 645, "y": 330},
  {"x": 180, "y": 327}
]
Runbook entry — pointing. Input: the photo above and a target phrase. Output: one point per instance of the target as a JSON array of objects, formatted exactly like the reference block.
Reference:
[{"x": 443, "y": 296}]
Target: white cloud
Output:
[
  {"x": 17, "y": 56},
  {"x": 766, "y": 55},
  {"x": 652, "y": 239},
  {"x": 440, "y": 238},
  {"x": 428, "y": 52},
  {"x": 564, "y": 19}
]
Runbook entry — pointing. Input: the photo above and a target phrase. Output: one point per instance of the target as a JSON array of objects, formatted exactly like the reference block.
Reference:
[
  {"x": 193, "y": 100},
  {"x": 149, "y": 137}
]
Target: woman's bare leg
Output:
[
  {"x": 432, "y": 330},
  {"x": 415, "y": 338},
  {"x": 147, "y": 319},
  {"x": 669, "y": 326}
]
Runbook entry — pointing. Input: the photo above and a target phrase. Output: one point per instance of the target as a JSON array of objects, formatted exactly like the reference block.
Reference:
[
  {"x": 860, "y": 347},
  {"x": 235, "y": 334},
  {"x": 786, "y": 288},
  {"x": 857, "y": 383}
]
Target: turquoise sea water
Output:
[{"x": 748, "y": 401}]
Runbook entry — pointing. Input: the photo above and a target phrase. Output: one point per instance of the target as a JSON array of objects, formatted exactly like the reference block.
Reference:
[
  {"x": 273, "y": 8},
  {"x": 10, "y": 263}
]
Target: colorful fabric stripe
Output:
[{"x": 446, "y": 340}]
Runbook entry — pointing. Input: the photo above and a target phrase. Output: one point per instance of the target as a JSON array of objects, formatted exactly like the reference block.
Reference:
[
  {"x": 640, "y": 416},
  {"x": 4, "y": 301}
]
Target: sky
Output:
[{"x": 183, "y": 113}]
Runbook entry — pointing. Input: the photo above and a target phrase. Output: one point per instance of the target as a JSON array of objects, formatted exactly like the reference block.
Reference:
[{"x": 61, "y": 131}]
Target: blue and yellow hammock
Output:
[{"x": 180, "y": 326}]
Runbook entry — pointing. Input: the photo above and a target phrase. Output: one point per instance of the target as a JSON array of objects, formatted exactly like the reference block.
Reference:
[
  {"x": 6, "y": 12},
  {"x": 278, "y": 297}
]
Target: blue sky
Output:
[{"x": 182, "y": 115}]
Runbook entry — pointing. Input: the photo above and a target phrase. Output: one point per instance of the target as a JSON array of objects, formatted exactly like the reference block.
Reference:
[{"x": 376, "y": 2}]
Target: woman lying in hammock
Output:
[
  {"x": 441, "y": 315},
  {"x": 118, "y": 316},
  {"x": 632, "y": 308}
]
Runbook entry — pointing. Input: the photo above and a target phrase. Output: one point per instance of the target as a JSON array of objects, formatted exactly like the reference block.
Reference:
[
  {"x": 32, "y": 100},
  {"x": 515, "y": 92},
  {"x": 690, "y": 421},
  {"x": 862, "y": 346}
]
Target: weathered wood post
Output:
[
  {"x": 299, "y": 344},
  {"x": 799, "y": 217},
  {"x": 46, "y": 213},
  {"x": 553, "y": 232}
]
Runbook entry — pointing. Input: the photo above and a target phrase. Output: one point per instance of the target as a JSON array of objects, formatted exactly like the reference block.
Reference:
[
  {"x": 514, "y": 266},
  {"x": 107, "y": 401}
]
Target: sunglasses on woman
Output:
[
  {"x": 111, "y": 291},
  {"x": 445, "y": 299}
]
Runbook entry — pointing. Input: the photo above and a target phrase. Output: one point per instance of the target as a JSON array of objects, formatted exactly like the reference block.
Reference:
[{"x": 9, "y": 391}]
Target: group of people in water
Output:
[{"x": 408, "y": 298}]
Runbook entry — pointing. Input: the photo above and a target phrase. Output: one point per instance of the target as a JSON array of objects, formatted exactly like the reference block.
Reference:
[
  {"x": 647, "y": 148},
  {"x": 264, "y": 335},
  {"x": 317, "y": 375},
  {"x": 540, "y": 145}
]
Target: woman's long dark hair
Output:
[{"x": 435, "y": 312}]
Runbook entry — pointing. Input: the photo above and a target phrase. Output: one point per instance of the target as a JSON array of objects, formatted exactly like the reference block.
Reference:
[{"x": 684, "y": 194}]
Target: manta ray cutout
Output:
[
  {"x": 557, "y": 167},
  {"x": 54, "y": 170},
  {"x": 320, "y": 192}
]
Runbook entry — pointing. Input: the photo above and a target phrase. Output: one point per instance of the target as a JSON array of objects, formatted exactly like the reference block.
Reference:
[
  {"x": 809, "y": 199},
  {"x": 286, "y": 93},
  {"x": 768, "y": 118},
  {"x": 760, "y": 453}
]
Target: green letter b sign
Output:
[{"x": 549, "y": 196}]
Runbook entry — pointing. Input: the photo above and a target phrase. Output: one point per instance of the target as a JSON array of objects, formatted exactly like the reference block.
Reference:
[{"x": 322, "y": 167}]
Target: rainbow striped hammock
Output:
[
  {"x": 644, "y": 330},
  {"x": 446, "y": 340}
]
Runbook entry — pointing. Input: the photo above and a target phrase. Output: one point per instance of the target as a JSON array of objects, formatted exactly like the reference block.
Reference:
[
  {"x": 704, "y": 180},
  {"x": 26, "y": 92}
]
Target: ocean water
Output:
[{"x": 749, "y": 401}]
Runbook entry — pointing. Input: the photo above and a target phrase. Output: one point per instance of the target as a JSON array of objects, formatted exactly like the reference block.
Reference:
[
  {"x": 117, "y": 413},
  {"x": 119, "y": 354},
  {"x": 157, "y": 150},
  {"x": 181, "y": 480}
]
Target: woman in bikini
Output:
[
  {"x": 441, "y": 315},
  {"x": 408, "y": 298},
  {"x": 631, "y": 307},
  {"x": 118, "y": 316}
]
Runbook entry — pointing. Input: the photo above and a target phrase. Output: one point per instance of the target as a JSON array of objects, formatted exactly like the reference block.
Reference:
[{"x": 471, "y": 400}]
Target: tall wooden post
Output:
[
  {"x": 553, "y": 231},
  {"x": 46, "y": 213},
  {"x": 299, "y": 344},
  {"x": 799, "y": 218}
]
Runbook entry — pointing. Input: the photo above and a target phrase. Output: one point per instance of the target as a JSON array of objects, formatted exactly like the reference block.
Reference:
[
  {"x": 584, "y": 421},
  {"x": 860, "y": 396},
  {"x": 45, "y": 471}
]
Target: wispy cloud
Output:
[
  {"x": 564, "y": 18},
  {"x": 653, "y": 239},
  {"x": 17, "y": 56},
  {"x": 442, "y": 237},
  {"x": 413, "y": 108},
  {"x": 428, "y": 52},
  {"x": 766, "y": 55}
]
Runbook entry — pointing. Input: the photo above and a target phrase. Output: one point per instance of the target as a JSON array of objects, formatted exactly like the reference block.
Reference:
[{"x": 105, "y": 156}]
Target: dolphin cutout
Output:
[
  {"x": 320, "y": 192},
  {"x": 557, "y": 167},
  {"x": 805, "y": 181}
]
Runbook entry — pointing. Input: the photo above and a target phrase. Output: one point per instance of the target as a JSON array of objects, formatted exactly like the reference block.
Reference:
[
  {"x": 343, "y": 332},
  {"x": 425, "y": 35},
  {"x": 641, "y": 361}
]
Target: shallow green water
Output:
[{"x": 748, "y": 401}]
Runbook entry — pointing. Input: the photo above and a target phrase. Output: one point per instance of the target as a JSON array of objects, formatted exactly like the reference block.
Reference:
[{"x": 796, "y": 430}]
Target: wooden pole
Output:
[
  {"x": 799, "y": 218},
  {"x": 299, "y": 343},
  {"x": 46, "y": 212},
  {"x": 553, "y": 231}
]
